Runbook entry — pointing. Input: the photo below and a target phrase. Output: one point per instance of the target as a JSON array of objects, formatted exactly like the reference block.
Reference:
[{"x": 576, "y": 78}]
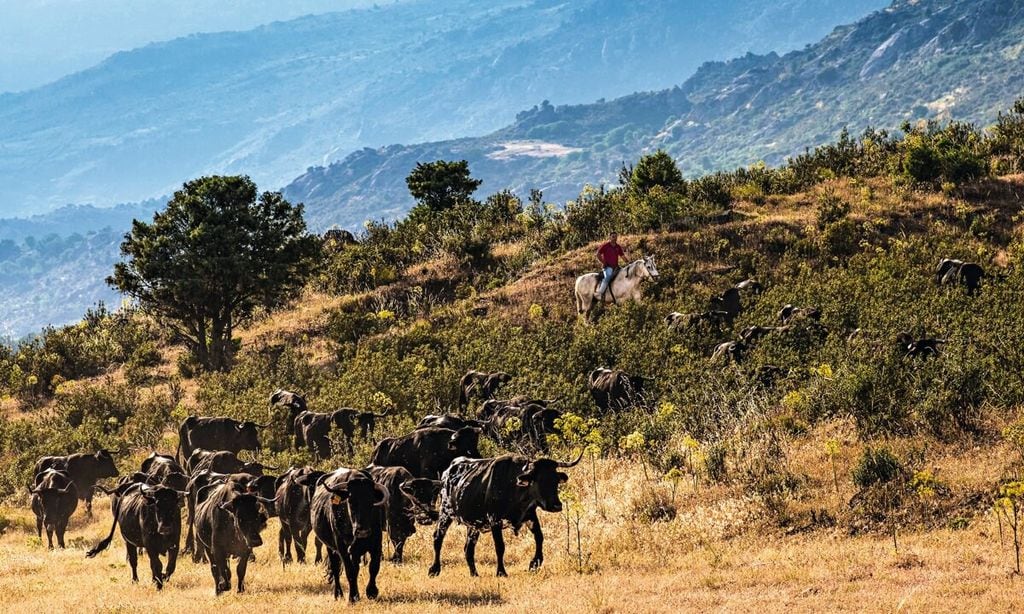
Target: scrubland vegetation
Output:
[{"x": 856, "y": 478}]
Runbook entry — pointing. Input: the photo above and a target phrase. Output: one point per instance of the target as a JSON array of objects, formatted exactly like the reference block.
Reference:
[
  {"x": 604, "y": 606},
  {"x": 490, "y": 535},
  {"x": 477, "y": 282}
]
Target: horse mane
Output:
[{"x": 629, "y": 268}]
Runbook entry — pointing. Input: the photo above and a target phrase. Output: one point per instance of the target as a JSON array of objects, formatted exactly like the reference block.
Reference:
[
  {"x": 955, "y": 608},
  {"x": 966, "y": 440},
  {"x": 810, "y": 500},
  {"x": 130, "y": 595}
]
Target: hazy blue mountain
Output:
[
  {"x": 272, "y": 101},
  {"x": 916, "y": 59},
  {"x": 43, "y": 40}
]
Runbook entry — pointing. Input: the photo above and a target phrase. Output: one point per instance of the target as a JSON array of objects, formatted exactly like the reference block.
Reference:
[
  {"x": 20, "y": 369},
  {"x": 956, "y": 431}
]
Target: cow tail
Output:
[{"x": 100, "y": 547}]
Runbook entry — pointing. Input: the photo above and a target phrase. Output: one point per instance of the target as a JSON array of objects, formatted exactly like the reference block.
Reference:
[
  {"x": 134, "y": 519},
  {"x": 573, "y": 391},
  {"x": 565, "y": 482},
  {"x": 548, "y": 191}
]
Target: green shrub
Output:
[{"x": 876, "y": 466}]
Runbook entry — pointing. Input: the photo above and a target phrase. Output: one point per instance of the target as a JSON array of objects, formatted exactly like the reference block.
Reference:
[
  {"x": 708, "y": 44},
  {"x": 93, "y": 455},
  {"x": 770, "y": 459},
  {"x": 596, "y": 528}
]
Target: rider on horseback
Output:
[{"x": 609, "y": 254}]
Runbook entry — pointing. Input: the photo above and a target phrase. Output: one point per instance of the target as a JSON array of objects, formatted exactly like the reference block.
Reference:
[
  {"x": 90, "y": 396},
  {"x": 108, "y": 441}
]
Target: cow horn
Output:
[
  {"x": 386, "y": 411},
  {"x": 335, "y": 490},
  {"x": 271, "y": 467},
  {"x": 573, "y": 463},
  {"x": 265, "y": 501},
  {"x": 262, "y": 426}
]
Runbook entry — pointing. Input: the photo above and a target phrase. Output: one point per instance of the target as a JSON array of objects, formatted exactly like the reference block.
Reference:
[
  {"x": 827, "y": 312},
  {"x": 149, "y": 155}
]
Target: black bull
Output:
[
  {"x": 83, "y": 469},
  {"x": 217, "y": 434},
  {"x": 150, "y": 519},
  {"x": 485, "y": 494},
  {"x": 347, "y": 512},
  {"x": 427, "y": 452},
  {"x": 615, "y": 390}
]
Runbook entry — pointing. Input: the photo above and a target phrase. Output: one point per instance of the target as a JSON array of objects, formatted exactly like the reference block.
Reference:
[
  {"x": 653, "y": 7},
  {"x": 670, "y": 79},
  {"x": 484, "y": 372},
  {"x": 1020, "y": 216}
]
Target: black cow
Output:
[
  {"x": 294, "y": 494},
  {"x": 789, "y": 313},
  {"x": 750, "y": 285},
  {"x": 449, "y": 421},
  {"x": 221, "y": 462},
  {"x": 228, "y": 524},
  {"x": 411, "y": 501},
  {"x": 731, "y": 351},
  {"x": 150, "y": 520},
  {"x": 752, "y": 334},
  {"x": 313, "y": 429},
  {"x": 493, "y": 406},
  {"x": 294, "y": 402},
  {"x": 526, "y": 426},
  {"x": 427, "y": 452},
  {"x": 83, "y": 469},
  {"x": 54, "y": 499},
  {"x": 729, "y": 302},
  {"x": 217, "y": 434},
  {"x": 198, "y": 489},
  {"x": 347, "y": 512},
  {"x": 957, "y": 272},
  {"x": 918, "y": 348},
  {"x": 174, "y": 480},
  {"x": 478, "y": 383},
  {"x": 615, "y": 390},
  {"x": 491, "y": 492},
  {"x": 714, "y": 319}
]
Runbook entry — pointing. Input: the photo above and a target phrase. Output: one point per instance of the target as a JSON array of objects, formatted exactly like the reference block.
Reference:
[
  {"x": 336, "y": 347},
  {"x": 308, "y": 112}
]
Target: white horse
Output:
[{"x": 625, "y": 286}]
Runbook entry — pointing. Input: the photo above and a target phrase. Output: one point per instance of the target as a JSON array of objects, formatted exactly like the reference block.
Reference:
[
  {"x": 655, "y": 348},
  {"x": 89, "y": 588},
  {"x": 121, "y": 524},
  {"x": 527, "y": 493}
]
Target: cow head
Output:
[
  {"x": 175, "y": 480},
  {"x": 249, "y": 516},
  {"x": 342, "y": 419},
  {"x": 104, "y": 463},
  {"x": 363, "y": 497},
  {"x": 422, "y": 497},
  {"x": 165, "y": 505},
  {"x": 542, "y": 477},
  {"x": 544, "y": 421},
  {"x": 263, "y": 485},
  {"x": 249, "y": 435},
  {"x": 464, "y": 442}
]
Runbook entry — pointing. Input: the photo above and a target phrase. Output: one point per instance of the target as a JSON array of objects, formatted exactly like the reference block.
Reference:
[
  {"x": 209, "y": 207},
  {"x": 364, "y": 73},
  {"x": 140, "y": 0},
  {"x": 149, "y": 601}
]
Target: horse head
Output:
[{"x": 650, "y": 267}]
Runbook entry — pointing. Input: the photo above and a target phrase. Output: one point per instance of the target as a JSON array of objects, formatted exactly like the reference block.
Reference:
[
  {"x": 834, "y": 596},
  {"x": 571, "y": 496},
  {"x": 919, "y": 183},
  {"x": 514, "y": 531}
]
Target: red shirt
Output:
[{"x": 609, "y": 254}]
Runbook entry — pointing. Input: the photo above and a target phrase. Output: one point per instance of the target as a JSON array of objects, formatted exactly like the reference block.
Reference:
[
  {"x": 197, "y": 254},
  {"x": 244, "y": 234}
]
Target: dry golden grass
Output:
[{"x": 722, "y": 552}]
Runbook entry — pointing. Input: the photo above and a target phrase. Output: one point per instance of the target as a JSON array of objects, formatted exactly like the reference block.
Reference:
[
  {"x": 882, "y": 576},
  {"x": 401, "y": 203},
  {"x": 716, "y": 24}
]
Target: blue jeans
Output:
[{"x": 608, "y": 271}]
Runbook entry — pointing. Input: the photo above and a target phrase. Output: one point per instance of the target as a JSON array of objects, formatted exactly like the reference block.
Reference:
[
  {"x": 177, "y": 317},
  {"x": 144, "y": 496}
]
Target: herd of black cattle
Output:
[
  {"x": 726, "y": 307},
  {"x": 434, "y": 474}
]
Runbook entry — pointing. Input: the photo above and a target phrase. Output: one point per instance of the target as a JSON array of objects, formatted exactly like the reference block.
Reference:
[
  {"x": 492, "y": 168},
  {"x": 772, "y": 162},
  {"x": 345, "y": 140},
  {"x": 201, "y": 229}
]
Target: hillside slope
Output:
[
  {"x": 929, "y": 59},
  {"x": 275, "y": 100}
]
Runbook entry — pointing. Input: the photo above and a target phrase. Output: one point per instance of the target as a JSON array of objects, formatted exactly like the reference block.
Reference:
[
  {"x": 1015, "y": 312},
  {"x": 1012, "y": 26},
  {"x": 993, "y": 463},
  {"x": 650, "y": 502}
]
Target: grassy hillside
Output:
[
  {"x": 933, "y": 59},
  {"x": 857, "y": 478}
]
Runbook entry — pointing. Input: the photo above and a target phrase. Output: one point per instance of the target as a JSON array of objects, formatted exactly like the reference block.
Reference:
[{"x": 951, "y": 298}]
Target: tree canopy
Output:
[
  {"x": 442, "y": 184},
  {"x": 656, "y": 169},
  {"x": 215, "y": 254}
]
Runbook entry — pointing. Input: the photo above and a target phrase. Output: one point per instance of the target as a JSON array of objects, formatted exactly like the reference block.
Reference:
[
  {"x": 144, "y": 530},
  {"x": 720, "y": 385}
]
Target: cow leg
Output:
[
  {"x": 88, "y": 502},
  {"x": 319, "y": 550},
  {"x": 156, "y": 567},
  {"x": 334, "y": 571},
  {"x": 243, "y": 564},
  {"x": 470, "y": 549},
  {"x": 61, "y": 528},
  {"x": 284, "y": 544},
  {"x": 442, "y": 529},
  {"x": 172, "y": 561},
  {"x": 375, "y": 555},
  {"x": 538, "y": 540},
  {"x": 299, "y": 537},
  {"x": 499, "y": 549},
  {"x": 133, "y": 560},
  {"x": 399, "y": 545},
  {"x": 351, "y": 574},
  {"x": 49, "y": 536}
]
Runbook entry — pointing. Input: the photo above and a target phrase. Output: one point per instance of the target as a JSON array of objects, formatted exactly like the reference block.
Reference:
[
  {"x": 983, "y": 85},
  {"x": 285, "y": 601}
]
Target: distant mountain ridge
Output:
[
  {"x": 272, "y": 101},
  {"x": 914, "y": 60}
]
